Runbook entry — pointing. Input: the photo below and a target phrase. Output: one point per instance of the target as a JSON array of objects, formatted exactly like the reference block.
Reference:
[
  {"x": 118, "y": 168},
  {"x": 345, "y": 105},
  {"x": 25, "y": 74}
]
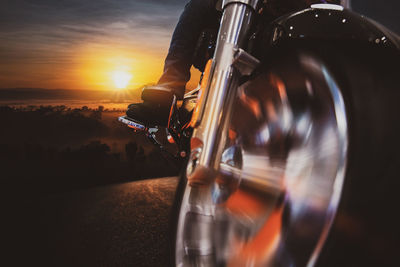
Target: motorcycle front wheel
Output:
[{"x": 312, "y": 136}]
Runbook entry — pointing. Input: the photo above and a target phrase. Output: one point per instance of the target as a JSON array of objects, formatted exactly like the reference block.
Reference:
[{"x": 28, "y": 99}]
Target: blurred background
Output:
[
  {"x": 384, "y": 12},
  {"x": 68, "y": 69}
]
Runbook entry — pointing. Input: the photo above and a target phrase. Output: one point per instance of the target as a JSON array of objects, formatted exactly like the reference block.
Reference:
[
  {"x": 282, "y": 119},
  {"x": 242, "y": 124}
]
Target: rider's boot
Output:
[{"x": 156, "y": 106}]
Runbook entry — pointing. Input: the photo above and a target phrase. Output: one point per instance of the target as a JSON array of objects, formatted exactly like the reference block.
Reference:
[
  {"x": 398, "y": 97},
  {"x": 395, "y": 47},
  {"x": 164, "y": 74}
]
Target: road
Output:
[{"x": 118, "y": 225}]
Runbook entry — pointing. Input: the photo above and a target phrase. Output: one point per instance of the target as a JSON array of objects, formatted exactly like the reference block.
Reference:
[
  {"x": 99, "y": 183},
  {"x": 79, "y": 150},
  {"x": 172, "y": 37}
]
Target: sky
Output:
[{"x": 77, "y": 44}]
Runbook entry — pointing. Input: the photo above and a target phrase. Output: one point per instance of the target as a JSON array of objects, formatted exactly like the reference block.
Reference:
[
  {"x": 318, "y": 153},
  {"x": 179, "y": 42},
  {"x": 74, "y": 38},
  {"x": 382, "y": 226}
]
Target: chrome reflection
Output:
[{"x": 281, "y": 174}]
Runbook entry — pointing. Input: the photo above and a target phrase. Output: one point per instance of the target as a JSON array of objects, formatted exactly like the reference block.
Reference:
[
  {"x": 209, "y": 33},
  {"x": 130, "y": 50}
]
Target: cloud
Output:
[
  {"x": 74, "y": 20},
  {"x": 48, "y": 32},
  {"x": 28, "y": 13}
]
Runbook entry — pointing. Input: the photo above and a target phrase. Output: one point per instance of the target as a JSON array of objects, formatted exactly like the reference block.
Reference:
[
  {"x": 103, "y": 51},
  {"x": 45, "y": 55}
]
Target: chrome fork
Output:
[
  {"x": 214, "y": 116},
  {"x": 195, "y": 225}
]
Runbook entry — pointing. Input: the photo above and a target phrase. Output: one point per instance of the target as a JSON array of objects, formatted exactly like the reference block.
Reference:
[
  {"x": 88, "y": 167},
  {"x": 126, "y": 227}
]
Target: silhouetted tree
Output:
[
  {"x": 95, "y": 114},
  {"x": 95, "y": 150},
  {"x": 48, "y": 147},
  {"x": 130, "y": 149}
]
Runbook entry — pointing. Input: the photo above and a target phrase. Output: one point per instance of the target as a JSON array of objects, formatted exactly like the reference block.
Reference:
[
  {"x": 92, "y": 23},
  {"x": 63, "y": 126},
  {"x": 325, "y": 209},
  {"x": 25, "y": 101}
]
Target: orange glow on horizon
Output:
[
  {"x": 105, "y": 68},
  {"x": 98, "y": 64},
  {"x": 92, "y": 66}
]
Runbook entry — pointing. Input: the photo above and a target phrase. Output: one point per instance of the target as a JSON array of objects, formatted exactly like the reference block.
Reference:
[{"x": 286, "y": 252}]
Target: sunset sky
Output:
[
  {"x": 75, "y": 44},
  {"x": 80, "y": 44}
]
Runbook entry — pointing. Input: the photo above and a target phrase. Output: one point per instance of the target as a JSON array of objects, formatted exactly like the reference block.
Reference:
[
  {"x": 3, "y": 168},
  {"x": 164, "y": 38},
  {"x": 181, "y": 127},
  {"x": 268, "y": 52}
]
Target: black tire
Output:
[{"x": 365, "y": 230}]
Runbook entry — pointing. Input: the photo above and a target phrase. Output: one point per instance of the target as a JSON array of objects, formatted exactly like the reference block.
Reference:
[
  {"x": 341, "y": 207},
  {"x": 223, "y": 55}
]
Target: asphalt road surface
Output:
[{"x": 118, "y": 225}]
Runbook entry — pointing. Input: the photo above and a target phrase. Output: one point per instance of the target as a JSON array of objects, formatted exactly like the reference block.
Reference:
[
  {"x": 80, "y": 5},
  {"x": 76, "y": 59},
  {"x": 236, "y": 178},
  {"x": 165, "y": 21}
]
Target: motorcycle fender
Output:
[{"x": 331, "y": 25}]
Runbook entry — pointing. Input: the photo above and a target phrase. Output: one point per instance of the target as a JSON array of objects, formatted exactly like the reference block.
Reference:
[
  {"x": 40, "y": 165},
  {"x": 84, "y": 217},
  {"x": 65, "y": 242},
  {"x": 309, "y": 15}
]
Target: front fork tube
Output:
[
  {"x": 209, "y": 137},
  {"x": 195, "y": 226}
]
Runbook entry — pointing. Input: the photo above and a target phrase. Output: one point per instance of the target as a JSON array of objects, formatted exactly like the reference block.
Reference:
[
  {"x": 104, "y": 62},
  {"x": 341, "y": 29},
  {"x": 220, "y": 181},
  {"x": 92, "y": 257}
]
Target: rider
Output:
[{"x": 157, "y": 99}]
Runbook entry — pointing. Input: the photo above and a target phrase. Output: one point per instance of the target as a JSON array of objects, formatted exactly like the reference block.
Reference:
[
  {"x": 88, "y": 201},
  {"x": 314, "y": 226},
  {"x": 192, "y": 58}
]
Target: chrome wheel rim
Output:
[{"x": 280, "y": 179}]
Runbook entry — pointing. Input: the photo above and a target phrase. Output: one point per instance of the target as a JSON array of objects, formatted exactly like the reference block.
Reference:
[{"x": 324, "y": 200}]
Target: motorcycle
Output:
[{"x": 289, "y": 142}]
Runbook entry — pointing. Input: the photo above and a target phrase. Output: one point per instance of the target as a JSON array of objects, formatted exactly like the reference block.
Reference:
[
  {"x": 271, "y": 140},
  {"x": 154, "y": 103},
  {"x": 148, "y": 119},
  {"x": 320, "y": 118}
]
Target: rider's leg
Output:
[{"x": 197, "y": 15}]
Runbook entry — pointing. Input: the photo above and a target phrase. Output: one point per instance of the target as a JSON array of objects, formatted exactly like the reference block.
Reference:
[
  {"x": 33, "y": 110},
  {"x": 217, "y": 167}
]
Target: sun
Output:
[{"x": 121, "y": 78}]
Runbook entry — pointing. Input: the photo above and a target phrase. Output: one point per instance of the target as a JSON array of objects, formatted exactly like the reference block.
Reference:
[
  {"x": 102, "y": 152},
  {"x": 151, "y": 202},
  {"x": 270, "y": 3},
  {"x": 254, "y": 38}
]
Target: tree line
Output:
[{"x": 56, "y": 148}]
